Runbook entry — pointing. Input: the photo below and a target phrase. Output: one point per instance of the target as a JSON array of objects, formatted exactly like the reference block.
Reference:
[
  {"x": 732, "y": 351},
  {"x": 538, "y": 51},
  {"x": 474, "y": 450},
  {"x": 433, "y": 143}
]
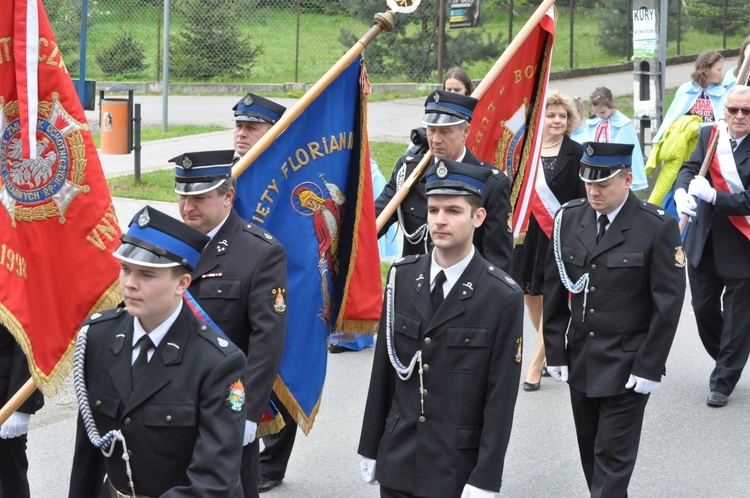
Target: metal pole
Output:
[
  {"x": 663, "y": 17},
  {"x": 137, "y": 143},
  {"x": 679, "y": 26},
  {"x": 82, "y": 62},
  {"x": 441, "y": 40},
  {"x": 724, "y": 26},
  {"x": 510, "y": 21},
  {"x": 572, "y": 19},
  {"x": 165, "y": 72},
  {"x": 296, "y": 48}
]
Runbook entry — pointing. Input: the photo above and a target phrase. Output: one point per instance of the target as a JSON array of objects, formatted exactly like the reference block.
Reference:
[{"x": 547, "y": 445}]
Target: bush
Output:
[
  {"x": 208, "y": 44},
  {"x": 125, "y": 56},
  {"x": 711, "y": 13}
]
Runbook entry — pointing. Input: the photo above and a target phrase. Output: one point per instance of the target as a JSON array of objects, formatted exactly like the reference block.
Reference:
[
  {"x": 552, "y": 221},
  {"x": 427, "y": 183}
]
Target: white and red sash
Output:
[{"x": 724, "y": 174}]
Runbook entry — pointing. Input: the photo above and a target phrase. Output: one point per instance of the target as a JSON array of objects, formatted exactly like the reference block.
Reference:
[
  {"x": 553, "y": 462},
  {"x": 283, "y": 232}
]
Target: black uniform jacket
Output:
[
  {"x": 493, "y": 239},
  {"x": 237, "y": 281},
  {"x": 471, "y": 352},
  {"x": 563, "y": 180},
  {"x": 14, "y": 372},
  {"x": 182, "y": 435},
  {"x": 635, "y": 294},
  {"x": 731, "y": 247}
]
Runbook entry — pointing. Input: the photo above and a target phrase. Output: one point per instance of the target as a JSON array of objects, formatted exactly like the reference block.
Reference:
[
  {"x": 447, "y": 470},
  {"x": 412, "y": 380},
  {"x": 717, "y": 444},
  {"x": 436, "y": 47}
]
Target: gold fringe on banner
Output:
[
  {"x": 285, "y": 397},
  {"x": 270, "y": 426}
]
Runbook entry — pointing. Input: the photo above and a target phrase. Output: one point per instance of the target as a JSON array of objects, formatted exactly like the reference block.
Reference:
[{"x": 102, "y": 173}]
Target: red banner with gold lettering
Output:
[
  {"x": 506, "y": 128},
  {"x": 57, "y": 223}
]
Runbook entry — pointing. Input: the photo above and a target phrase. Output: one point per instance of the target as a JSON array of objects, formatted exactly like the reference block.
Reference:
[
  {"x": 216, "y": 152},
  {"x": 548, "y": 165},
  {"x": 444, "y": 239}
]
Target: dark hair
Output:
[
  {"x": 230, "y": 182},
  {"x": 461, "y": 75},
  {"x": 602, "y": 95},
  {"x": 475, "y": 202},
  {"x": 741, "y": 58},
  {"x": 703, "y": 65}
]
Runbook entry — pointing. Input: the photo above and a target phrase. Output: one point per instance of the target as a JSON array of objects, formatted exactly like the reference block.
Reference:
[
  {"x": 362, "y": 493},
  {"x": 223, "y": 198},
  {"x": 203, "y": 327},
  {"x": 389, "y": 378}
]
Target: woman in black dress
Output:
[{"x": 560, "y": 157}]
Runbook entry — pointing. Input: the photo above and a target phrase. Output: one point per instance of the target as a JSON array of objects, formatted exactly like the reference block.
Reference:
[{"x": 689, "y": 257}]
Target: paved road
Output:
[{"x": 688, "y": 449}]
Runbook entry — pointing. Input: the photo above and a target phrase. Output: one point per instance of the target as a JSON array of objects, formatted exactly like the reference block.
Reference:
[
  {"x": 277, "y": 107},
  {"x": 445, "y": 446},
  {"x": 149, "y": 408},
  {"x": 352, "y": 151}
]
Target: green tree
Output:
[
  {"x": 209, "y": 43},
  {"x": 710, "y": 13},
  {"x": 411, "y": 49},
  {"x": 124, "y": 57}
]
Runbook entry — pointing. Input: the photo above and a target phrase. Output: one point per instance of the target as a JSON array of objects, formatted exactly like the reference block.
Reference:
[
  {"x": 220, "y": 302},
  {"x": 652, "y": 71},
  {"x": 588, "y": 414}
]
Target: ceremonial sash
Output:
[{"x": 724, "y": 174}]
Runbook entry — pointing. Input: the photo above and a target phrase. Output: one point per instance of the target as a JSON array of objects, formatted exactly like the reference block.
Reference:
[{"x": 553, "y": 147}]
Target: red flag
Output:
[
  {"x": 57, "y": 223},
  {"x": 506, "y": 128},
  {"x": 360, "y": 309}
]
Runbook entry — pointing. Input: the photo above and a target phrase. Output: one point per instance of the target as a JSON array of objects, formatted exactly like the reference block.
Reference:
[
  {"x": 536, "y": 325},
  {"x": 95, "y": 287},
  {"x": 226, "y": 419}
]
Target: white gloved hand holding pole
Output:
[
  {"x": 16, "y": 425},
  {"x": 684, "y": 202},
  {"x": 700, "y": 188},
  {"x": 474, "y": 492}
]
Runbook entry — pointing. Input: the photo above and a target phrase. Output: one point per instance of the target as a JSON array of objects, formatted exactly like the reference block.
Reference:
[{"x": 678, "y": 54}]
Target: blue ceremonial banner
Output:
[{"x": 307, "y": 190}]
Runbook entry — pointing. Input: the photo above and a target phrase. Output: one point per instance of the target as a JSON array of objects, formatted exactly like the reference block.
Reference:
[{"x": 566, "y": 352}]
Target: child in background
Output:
[
  {"x": 610, "y": 125},
  {"x": 580, "y": 132}
]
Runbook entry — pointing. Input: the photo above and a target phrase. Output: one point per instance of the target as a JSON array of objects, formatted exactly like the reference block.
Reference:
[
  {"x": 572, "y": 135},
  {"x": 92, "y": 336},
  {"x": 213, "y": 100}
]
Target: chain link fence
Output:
[{"x": 282, "y": 41}]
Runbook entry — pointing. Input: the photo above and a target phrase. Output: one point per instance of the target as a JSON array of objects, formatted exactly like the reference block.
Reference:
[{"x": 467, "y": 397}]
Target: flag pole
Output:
[
  {"x": 499, "y": 65},
  {"x": 17, "y": 400},
  {"x": 382, "y": 22},
  {"x": 742, "y": 75}
]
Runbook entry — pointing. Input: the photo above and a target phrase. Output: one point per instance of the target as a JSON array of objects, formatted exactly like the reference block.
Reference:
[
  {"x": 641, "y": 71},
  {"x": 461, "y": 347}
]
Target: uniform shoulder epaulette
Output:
[
  {"x": 503, "y": 277},
  {"x": 657, "y": 211},
  {"x": 103, "y": 316},
  {"x": 575, "y": 203},
  {"x": 213, "y": 337},
  {"x": 406, "y": 260},
  {"x": 259, "y": 232}
]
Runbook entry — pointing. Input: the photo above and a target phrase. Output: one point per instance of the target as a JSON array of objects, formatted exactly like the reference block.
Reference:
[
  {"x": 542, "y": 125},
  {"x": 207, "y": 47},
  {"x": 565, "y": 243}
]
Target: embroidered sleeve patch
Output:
[
  {"x": 235, "y": 396},
  {"x": 519, "y": 350},
  {"x": 679, "y": 257},
  {"x": 279, "y": 305}
]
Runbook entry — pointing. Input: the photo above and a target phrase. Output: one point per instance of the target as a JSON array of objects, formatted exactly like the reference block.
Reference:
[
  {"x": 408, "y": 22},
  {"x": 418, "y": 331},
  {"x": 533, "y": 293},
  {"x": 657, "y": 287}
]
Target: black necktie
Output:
[
  {"x": 139, "y": 366},
  {"x": 603, "y": 221},
  {"x": 733, "y": 143},
  {"x": 436, "y": 296}
]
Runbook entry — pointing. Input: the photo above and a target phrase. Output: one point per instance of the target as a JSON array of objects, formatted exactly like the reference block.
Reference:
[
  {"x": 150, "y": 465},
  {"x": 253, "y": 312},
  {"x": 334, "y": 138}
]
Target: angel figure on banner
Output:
[{"x": 326, "y": 219}]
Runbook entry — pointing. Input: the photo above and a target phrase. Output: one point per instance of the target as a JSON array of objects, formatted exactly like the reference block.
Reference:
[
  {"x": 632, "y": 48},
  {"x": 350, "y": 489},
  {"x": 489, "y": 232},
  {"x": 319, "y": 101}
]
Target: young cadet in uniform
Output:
[
  {"x": 448, "y": 358},
  {"x": 14, "y": 372},
  {"x": 447, "y": 117},
  {"x": 239, "y": 281},
  {"x": 622, "y": 261},
  {"x": 170, "y": 384}
]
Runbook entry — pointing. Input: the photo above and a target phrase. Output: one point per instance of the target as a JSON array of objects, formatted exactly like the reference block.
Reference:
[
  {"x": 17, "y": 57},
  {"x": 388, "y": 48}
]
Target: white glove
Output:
[
  {"x": 684, "y": 202},
  {"x": 249, "y": 436},
  {"x": 16, "y": 425},
  {"x": 643, "y": 386},
  {"x": 700, "y": 188},
  {"x": 472, "y": 492},
  {"x": 367, "y": 470},
  {"x": 558, "y": 373}
]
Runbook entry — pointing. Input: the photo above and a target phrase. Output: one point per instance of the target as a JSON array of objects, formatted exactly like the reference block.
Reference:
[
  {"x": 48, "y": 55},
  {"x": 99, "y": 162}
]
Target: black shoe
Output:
[
  {"x": 545, "y": 373},
  {"x": 334, "y": 348},
  {"x": 717, "y": 399},
  {"x": 267, "y": 484},
  {"x": 528, "y": 386}
]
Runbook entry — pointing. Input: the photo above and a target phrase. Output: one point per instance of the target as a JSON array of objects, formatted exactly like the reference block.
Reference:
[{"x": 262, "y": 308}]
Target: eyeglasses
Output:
[{"x": 735, "y": 110}]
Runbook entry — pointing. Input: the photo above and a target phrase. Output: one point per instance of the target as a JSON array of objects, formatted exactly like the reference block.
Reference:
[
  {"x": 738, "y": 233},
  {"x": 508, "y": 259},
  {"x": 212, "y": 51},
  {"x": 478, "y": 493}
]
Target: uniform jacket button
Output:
[
  {"x": 592, "y": 311},
  {"x": 98, "y": 402},
  {"x": 422, "y": 419},
  {"x": 593, "y": 267},
  {"x": 427, "y": 340},
  {"x": 591, "y": 334},
  {"x": 593, "y": 289},
  {"x": 218, "y": 291},
  {"x": 426, "y": 367},
  {"x": 169, "y": 418},
  {"x": 127, "y": 421},
  {"x": 466, "y": 341}
]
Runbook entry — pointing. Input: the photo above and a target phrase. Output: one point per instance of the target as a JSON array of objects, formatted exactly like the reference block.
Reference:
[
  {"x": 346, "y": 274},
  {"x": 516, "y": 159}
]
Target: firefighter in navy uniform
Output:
[
  {"x": 448, "y": 358},
  {"x": 622, "y": 260},
  {"x": 173, "y": 386},
  {"x": 239, "y": 280},
  {"x": 447, "y": 118},
  {"x": 14, "y": 372}
]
